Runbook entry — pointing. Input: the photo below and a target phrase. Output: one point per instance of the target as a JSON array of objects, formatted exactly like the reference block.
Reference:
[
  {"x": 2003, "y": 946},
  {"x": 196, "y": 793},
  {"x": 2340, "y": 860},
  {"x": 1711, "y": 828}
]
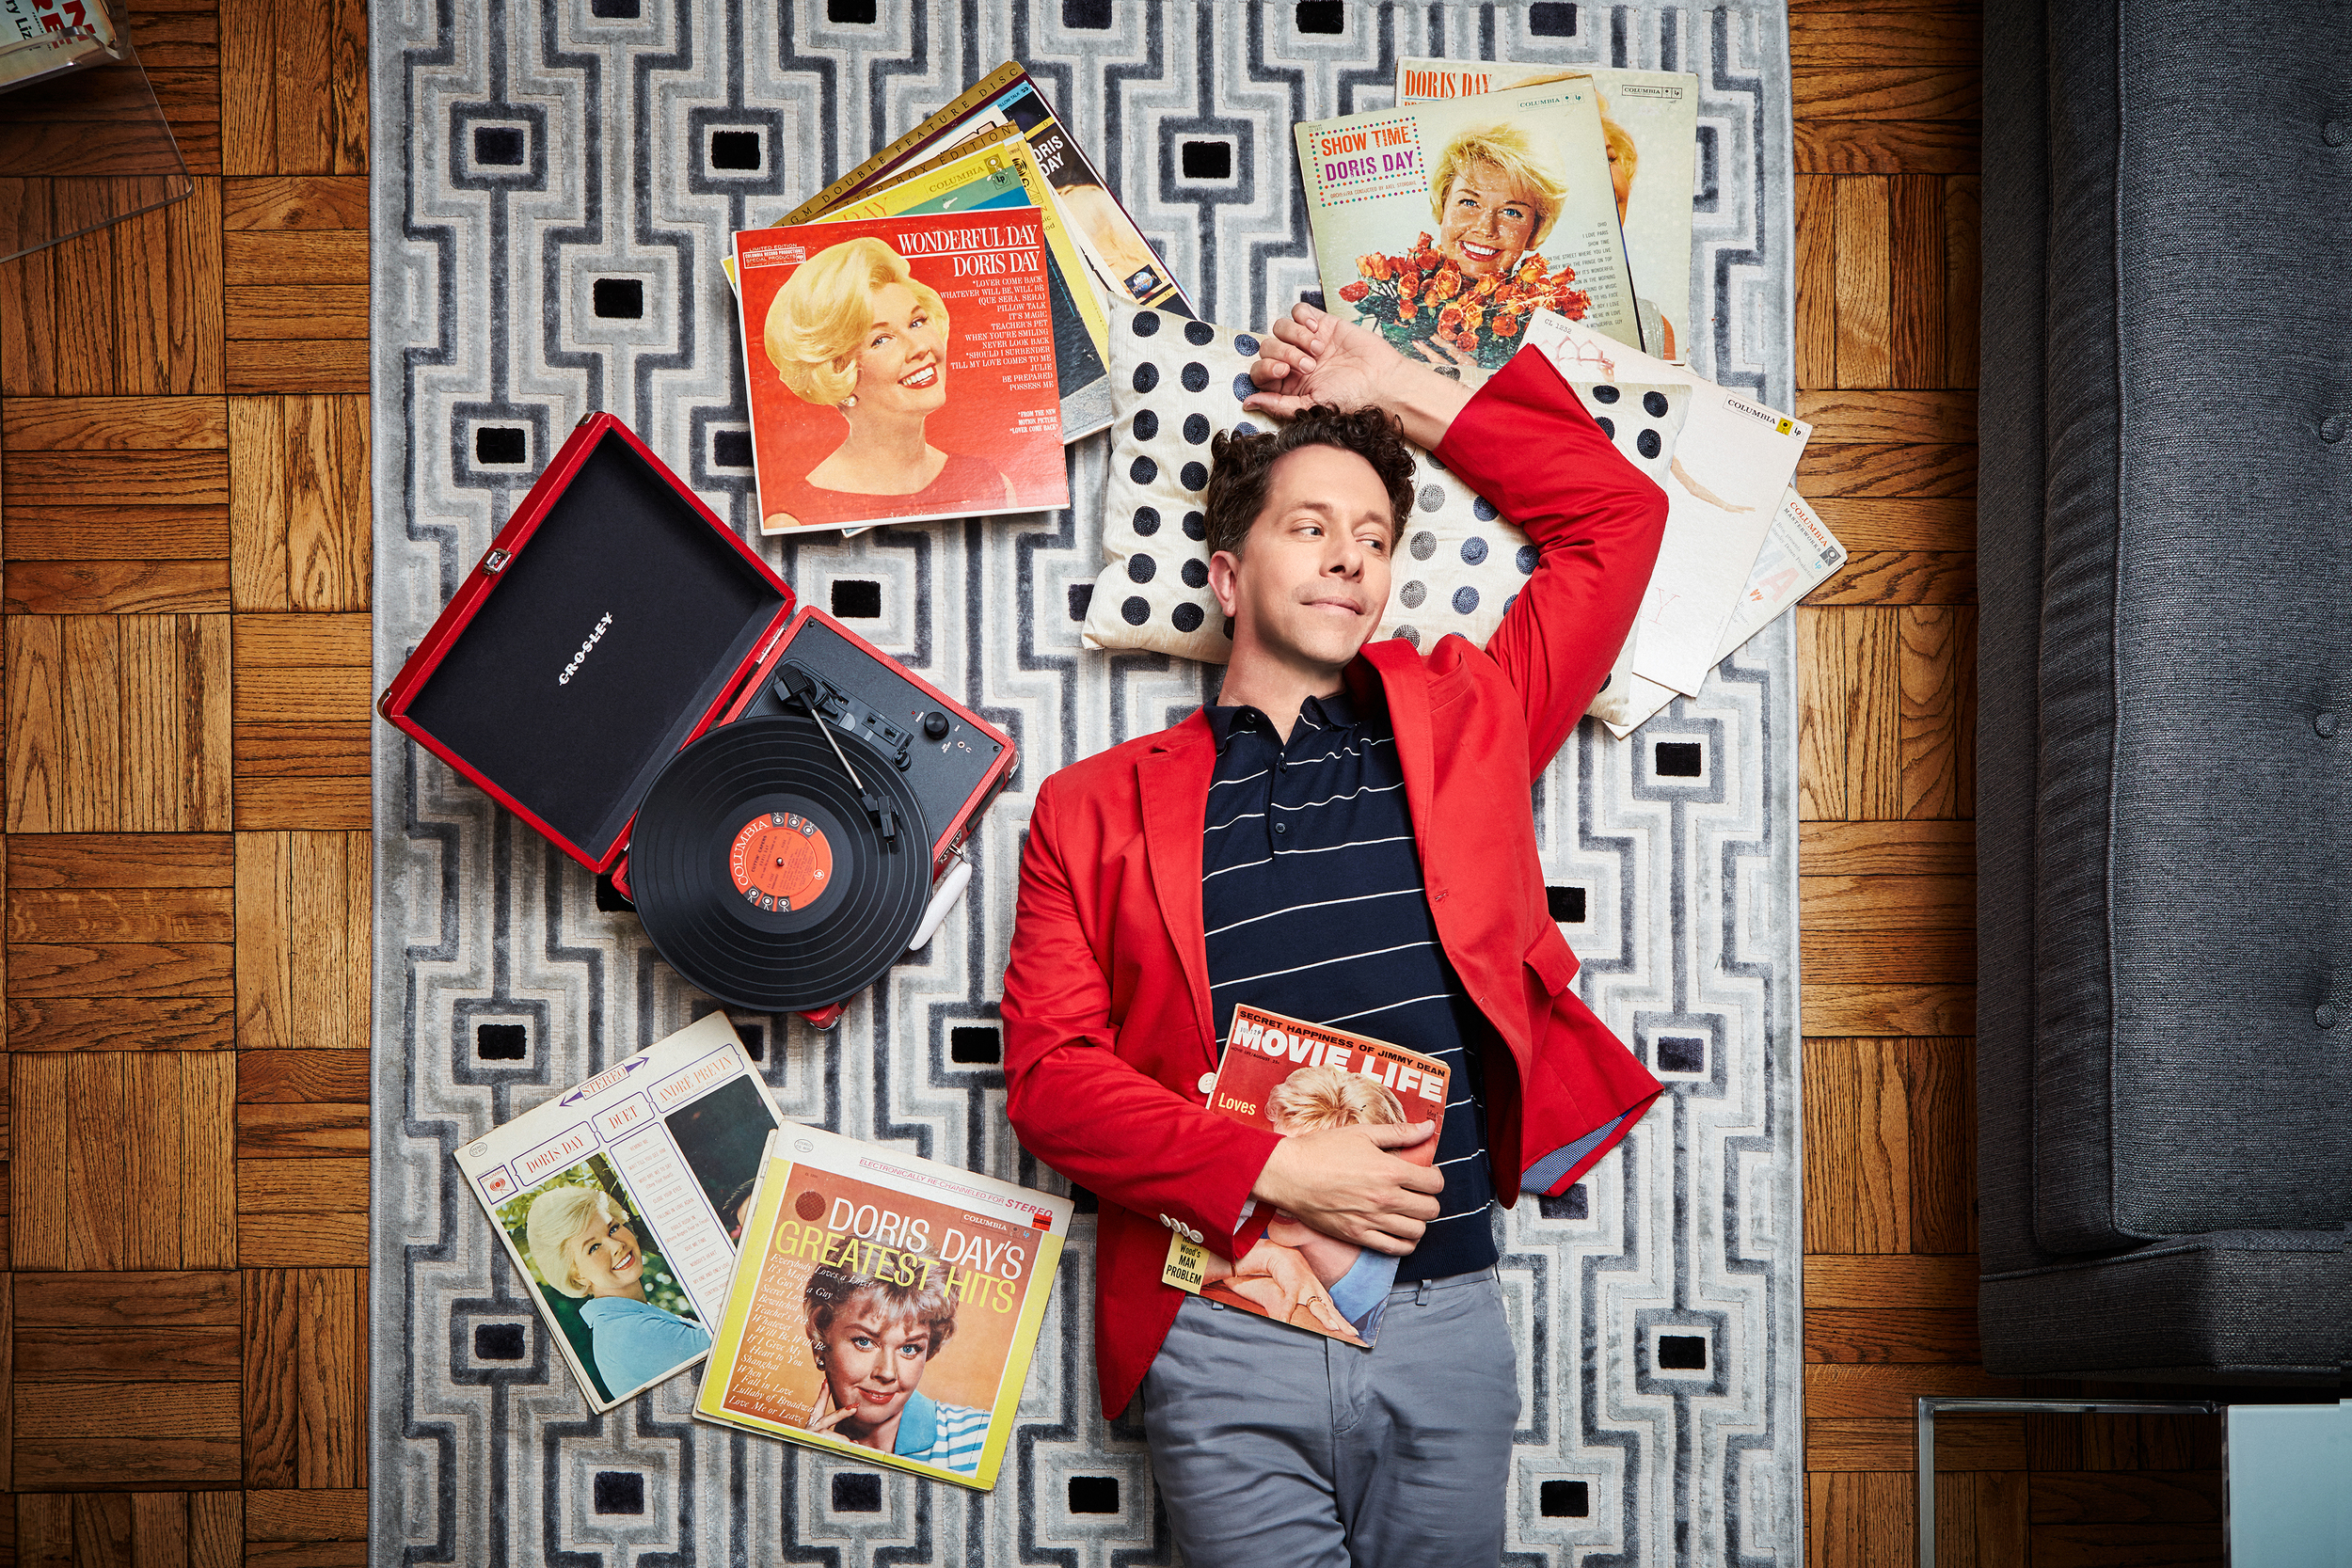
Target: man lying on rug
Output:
[{"x": 1345, "y": 838}]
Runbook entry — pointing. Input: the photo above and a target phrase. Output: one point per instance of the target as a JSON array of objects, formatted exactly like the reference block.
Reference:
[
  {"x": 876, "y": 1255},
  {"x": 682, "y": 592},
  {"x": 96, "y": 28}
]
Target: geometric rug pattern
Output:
[{"x": 527, "y": 152}]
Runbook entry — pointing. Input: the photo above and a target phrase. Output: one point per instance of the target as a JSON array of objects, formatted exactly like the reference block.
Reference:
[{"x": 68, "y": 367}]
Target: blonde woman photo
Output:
[
  {"x": 581, "y": 1243},
  {"x": 1494, "y": 199},
  {"x": 853, "y": 329},
  {"x": 872, "y": 1338}
]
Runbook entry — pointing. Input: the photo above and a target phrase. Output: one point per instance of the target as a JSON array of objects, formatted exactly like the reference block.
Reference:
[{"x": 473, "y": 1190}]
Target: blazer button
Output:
[{"x": 1207, "y": 1081}]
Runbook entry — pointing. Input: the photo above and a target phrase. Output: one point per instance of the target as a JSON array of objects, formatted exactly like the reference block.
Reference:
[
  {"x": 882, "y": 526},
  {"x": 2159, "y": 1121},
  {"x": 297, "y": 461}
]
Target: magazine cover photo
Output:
[
  {"x": 894, "y": 1323},
  {"x": 900, "y": 369}
]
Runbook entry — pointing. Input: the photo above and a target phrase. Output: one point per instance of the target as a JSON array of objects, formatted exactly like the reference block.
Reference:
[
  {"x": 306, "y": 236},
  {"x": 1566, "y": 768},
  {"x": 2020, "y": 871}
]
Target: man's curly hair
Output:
[{"x": 1240, "y": 464}]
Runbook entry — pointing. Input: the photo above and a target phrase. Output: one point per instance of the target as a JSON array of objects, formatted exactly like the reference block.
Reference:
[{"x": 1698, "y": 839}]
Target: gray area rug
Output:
[{"x": 525, "y": 152}]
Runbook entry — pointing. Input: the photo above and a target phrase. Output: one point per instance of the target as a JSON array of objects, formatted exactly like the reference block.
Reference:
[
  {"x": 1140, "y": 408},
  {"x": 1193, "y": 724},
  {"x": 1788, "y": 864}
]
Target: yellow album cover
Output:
[{"x": 885, "y": 1307}]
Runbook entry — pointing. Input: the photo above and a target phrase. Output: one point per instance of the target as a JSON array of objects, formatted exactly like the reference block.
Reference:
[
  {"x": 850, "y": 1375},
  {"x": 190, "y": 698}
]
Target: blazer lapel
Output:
[
  {"x": 1172, "y": 780},
  {"x": 1405, "y": 679}
]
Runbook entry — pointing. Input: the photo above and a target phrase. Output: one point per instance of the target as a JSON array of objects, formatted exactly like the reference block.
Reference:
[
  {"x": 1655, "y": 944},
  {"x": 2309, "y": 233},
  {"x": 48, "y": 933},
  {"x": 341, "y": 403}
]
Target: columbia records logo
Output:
[{"x": 780, "y": 860}]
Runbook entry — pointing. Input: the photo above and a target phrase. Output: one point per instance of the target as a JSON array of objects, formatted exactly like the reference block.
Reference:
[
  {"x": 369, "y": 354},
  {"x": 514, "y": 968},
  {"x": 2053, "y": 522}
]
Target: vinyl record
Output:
[{"x": 759, "y": 874}]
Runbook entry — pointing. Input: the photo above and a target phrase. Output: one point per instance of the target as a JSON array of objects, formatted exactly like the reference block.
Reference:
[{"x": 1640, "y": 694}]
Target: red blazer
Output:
[{"x": 1108, "y": 1030}]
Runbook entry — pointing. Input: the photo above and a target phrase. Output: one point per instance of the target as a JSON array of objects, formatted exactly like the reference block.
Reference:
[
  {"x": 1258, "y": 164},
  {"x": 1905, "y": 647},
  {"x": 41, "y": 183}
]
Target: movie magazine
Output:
[
  {"x": 1122, "y": 258},
  {"x": 1650, "y": 120},
  {"x": 619, "y": 1201},
  {"x": 1005, "y": 174},
  {"x": 900, "y": 369},
  {"x": 1732, "y": 463},
  {"x": 886, "y": 1307},
  {"x": 1799, "y": 554},
  {"x": 1290, "y": 1077},
  {"x": 1442, "y": 226}
]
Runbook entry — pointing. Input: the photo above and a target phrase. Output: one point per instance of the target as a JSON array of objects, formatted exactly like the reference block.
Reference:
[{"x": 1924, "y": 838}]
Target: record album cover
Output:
[{"x": 900, "y": 369}]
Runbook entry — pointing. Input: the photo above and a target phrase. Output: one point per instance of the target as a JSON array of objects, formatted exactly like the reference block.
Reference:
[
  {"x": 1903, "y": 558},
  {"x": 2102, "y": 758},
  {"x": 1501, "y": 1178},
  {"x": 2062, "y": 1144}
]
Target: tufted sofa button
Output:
[
  {"x": 2325, "y": 723},
  {"x": 2331, "y": 428},
  {"x": 2325, "y": 1014},
  {"x": 2335, "y": 132}
]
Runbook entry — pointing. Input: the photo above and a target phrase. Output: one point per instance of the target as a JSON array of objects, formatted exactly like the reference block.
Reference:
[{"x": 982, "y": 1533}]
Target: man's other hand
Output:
[
  {"x": 1344, "y": 1183},
  {"x": 1314, "y": 357}
]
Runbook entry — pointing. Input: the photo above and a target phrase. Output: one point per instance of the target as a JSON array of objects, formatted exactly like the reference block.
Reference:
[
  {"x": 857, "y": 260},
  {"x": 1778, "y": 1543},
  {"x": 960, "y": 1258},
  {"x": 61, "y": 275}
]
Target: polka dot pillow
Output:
[{"x": 1176, "y": 383}]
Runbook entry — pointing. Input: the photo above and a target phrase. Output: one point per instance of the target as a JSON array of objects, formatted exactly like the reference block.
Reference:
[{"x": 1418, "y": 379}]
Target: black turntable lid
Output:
[{"x": 623, "y": 614}]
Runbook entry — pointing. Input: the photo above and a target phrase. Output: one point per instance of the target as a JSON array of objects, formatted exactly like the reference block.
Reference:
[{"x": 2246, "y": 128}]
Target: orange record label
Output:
[{"x": 780, "y": 860}]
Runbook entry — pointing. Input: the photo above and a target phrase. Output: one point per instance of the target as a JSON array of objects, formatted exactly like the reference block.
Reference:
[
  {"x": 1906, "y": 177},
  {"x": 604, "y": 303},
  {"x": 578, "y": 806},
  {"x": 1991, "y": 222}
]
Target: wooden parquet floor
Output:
[{"x": 184, "y": 554}]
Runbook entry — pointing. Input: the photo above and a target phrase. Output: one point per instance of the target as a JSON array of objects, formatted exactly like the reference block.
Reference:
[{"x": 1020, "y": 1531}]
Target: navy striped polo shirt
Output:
[{"x": 1313, "y": 898}]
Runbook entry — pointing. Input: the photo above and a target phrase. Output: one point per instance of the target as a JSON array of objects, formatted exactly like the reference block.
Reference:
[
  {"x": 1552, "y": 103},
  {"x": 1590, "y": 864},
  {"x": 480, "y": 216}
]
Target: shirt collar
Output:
[
  {"x": 918, "y": 1426},
  {"x": 1337, "y": 711}
]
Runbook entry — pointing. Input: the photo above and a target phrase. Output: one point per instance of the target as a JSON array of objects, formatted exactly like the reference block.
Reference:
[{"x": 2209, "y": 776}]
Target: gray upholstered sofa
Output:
[{"x": 2165, "y": 736}]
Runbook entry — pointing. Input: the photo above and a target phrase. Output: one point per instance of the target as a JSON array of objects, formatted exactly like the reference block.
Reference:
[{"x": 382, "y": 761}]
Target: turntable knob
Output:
[{"x": 936, "y": 725}]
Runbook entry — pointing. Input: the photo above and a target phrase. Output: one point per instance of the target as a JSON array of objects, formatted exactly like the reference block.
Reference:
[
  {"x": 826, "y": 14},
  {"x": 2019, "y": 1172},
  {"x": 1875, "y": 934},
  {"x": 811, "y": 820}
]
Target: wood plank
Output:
[
  {"x": 1901, "y": 523},
  {"x": 175, "y": 1300},
  {"x": 123, "y": 1023},
  {"x": 115, "y": 424},
  {"x": 295, "y": 201},
  {"x": 306, "y": 1554},
  {"x": 168, "y": 337},
  {"x": 1829, "y": 36},
  {"x": 329, "y": 694},
  {"x": 1887, "y": 849},
  {"x": 2110, "y": 1545},
  {"x": 1838, "y": 416},
  {"x": 327, "y": 312},
  {"x": 301, "y": 1077},
  {"x": 124, "y": 1463},
  {"x": 294, "y": 1241},
  {"x": 316, "y": 366},
  {"x": 270, "y": 1130},
  {"x": 120, "y": 969},
  {"x": 215, "y": 1529},
  {"x": 304, "y": 642},
  {"x": 329, "y": 517},
  {"x": 117, "y": 1409},
  {"x": 159, "y": 1530},
  {"x": 318, "y": 1514},
  {"x": 208, "y": 1152},
  {"x": 1849, "y": 736},
  {"x": 1863, "y": 281},
  {"x": 28, "y": 346},
  {"x": 177, "y": 748},
  {"x": 1890, "y": 1336},
  {"x": 8, "y": 1373},
  {"x": 120, "y": 914},
  {"x": 300, "y": 750},
  {"x": 1886, "y": 1443},
  {"x": 1817, "y": 281},
  {"x": 1823, "y": 714},
  {"x": 118, "y": 534},
  {"x": 45, "y": 479},
  {"x": 1940, "y": 1090},
  {"x": 2125, "y": 1497},
  {"x": 1984, "y": 1516},
  {"x": 1857, "y": 1134},
  {"x": 1858, "y": 1520},
  {"x": 44, "y": 1531},
  {"x": 257, "y": 513},
  {"x": 265, "y": 802},
  {"x": 34, "y": 659},
  {"x": 1915, "y": 237},
  {"x": 1899, "y": 958},
  {"x": 121, "y": 861},
  {"x": 1964, "y": 282},
  {"x": 90, "y": 759},
  {"x": 302, "y": 1186},
  {"x": 272, "y": 1372},
  {"x": 1900, "y": 92},
  {"x": 1907, "y": 1282},
  {"x": 264, "y": 954},
  {"x": 1887, "y": 468},
  {"x": 294, "y": 257},
  {"x": 86, "y": 1356},
  {"x": 37, "y": 1175},
  {"x": 1891, "y": 1391},
  {"x": 152, "y": 1138},
  {"x": 1932, "y": 740},
  {"x": 85, "y": 295},
  {"x": 101, "y": 1529},
  {"x": 113, "y": 587},
  {"x": 1900, "y": 578},
  {"x": 1882, "y": 1010},
  {"x": 1964, "y": 632},
  {"x": 97, "y": 1198},
  {"x": 1888, "y": 146},
  {"x": 328, "y": 990}
]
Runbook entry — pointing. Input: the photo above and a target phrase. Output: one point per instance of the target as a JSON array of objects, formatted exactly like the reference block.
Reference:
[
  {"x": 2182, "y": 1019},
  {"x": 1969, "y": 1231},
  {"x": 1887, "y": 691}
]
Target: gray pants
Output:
[{"x": 1276, "y": 1446}]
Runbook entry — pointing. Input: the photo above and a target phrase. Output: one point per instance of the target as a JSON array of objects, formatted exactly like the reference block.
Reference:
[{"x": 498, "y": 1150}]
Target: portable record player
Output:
[{"x": 615, "y": 622}]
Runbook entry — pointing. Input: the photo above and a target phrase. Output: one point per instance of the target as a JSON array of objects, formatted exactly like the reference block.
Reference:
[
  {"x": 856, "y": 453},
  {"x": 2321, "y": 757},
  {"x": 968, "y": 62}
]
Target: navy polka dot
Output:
[
  {"x": 1243, "y": 385},
  {"x": 1144, "y": 470},
  {"x": 1194, "y": 573},
  {"x": 1431, "y": 458},
  {"x": 1147, "y": 426},
  {"x": 1605, "y": 680},
  {"x": 1654, "y": 403},
  {"x": 1147, "y": 521},
  {"x": 1244, "y": 427},
  {"x": 1407, "y": 634},
  {"x": 1186, "y": 617},
  {"x": 1135, "y": 611},
  {"x": 1146, "y": 376},
  {"x": 1412, "y": 594},
  {"x": 1147, "y": 323},
  {"x": 1482, "y": 509},
  {"x": 1244, "y": 343},
  {"x": 1200, "y": 334},
  {"x": 1196, "y": 428},
  {"x": 1465, "y": 600},
  {"x": 1195, "y": 526},
  {"x": 1194, "y": 476},
  {"x": 1506, "y": 609},
  {"x": 1141, "y": 567},
  {"x": 1474, "y": 551},
  {"x": 1608, "y": 428},
  {"x": 1432, "y": 497},
  {"x": 1526, "y": 558},
  {"x": 1646, "y": 443},
  {"x": 1196, "y": 377},
  {"x": 1604, "y": 393},
  {"x": 1423, "y": 544}
]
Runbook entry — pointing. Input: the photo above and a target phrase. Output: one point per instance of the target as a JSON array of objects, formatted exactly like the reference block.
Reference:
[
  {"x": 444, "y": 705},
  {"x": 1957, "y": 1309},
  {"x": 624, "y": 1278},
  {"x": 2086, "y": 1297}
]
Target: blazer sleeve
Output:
[
  {"x": 1527, "y": 445},
  {"x": 1080, "y": 1107}
]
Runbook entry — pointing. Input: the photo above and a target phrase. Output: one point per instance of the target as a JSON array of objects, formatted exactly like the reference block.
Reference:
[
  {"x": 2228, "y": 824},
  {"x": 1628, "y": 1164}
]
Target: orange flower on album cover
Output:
[
  {"x": 1292, "y": 1077},
  {"x": 900, "y": 369}
]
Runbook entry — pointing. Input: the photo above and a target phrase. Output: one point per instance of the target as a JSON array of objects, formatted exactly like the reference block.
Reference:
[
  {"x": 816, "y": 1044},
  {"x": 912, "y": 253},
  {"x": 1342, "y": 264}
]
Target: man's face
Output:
[{"x": 1312, "y": 576}]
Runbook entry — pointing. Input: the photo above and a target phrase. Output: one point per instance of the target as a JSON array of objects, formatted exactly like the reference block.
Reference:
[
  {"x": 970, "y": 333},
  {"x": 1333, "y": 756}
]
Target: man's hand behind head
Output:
[{"x": 1345, "y": 1183}]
